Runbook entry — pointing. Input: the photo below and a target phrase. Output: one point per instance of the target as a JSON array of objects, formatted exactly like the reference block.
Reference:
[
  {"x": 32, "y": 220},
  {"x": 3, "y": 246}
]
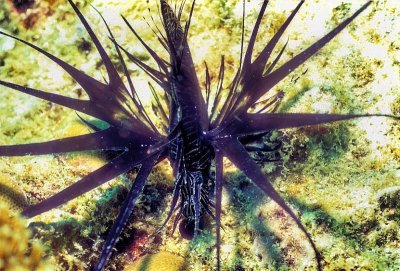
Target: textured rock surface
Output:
[
  {"x": 332, "y": 175},
  {"x": 161, "y": 261},
  {"x": 17, "y": 250}
]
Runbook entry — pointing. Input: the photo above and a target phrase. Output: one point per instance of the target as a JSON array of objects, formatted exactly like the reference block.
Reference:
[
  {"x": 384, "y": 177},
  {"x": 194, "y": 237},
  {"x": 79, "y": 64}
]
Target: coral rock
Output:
[
  {"x": 161, "y": 261},
  {"x": 12, "y": 194},
  {"x": 17, "y": 252}
]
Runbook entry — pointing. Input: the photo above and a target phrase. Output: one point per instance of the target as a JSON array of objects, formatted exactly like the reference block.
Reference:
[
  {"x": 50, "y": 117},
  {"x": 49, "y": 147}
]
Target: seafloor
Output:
[{"x": 342, "y": 179}]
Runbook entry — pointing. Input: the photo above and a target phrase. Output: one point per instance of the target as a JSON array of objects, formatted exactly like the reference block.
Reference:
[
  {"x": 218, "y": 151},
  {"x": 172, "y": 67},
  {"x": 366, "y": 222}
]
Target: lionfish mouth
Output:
[{"x": 187, "y": 228}]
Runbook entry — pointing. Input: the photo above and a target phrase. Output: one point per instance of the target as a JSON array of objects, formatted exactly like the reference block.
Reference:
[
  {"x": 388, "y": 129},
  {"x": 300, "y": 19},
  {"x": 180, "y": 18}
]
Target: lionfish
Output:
[{"x": 199, "y": 131}]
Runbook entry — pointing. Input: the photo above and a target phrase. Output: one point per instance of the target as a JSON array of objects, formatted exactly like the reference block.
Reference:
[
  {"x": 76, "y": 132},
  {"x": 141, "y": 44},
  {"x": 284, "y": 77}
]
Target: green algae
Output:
[{"x": 334, "y": 176}]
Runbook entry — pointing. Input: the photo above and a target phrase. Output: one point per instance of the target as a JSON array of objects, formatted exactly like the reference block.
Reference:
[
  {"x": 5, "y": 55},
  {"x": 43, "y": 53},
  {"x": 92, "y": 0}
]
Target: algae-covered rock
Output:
[
  {"x": 12, "y": 194},
  {"x": 161, "y": 261},
  {"x": 17, "y": 251},
  {"x": 389, "y": 197},
  {"x": 330, "y": 173}
]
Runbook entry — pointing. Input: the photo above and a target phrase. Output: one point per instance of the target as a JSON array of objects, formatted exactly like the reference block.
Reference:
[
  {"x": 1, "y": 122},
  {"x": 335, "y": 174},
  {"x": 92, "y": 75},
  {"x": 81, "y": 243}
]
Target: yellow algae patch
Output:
[
  {"x": 17, "y": 252},
  {"x": 161, "y": 261},
  {"x": 76, "y": 128},
  {"x": 84, "y": 163},
  {"x": 11, "y": 194}
]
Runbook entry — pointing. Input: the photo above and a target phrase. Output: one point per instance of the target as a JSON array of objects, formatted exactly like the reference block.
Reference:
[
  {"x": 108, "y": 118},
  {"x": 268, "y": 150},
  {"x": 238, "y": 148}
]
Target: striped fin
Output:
[{"x": 174, "y": 30}]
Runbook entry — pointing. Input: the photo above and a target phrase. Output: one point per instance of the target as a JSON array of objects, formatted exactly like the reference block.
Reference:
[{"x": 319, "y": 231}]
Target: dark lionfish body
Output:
[
  {"x": 196, "y": 140},
  {"x": 194, "y": 162}
]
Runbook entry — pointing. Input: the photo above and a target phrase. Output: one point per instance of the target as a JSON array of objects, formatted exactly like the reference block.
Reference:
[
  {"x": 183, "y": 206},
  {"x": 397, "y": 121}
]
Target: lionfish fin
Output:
[
  {"x": 125, "y": 212},
  {"x": 218, "y": 202},
  {"x": 89, "y": 84},
  {"x": 83, "y": 106},
  {"x": 113, "y": 75},
  {"x": 260, "y": 122},
  {"x": 175, "y": 35},
  {"x": 262, "y": 59},
  {"x": 258, "y": 88},
  {"x": 101, "y": 140},
  {"x": 163, "y": 64},
  {"x": 114, "y": 168},
  {"x": 238, "y": 155}
]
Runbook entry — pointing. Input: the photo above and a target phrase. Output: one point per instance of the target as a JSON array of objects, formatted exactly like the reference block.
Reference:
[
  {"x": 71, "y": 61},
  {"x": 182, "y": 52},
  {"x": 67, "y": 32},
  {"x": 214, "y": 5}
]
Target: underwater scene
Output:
[{"x": 209, "y": 135}]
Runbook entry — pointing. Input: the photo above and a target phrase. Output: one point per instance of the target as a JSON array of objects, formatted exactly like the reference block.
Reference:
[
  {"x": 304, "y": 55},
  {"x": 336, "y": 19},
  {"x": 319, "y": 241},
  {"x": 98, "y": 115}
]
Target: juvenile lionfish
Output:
[{"x": 197, "y": 138}]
